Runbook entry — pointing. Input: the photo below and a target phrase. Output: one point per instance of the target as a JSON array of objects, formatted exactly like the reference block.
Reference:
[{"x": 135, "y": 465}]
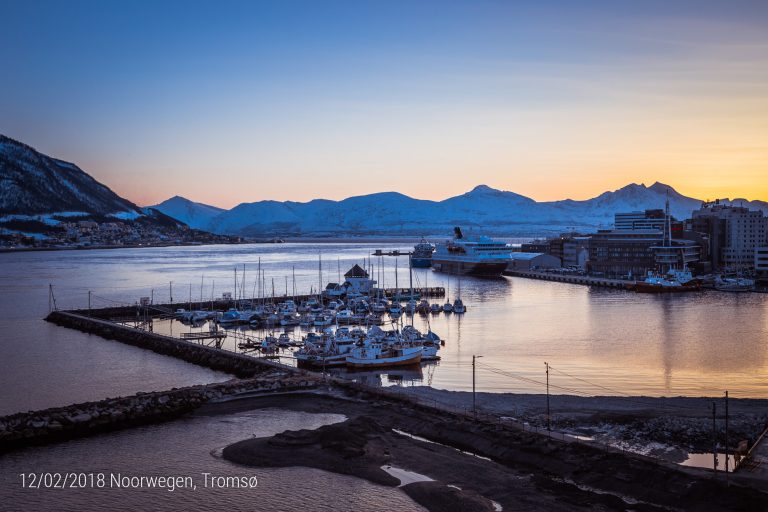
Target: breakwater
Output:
[
  {"x": 80, "y": 420},
  {"x": 572, "y": 279},
  {"x": 240, "y": 365}
]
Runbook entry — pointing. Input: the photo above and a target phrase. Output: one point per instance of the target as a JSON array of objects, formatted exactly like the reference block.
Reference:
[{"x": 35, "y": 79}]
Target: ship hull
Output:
[
  {"x": 421, "y": 262},
  {"x": 384, "y": 362},
  {"x": 319, "y": 361},
  {"x": 655, "y": 288},
  {"x": 484, "y": 269}
]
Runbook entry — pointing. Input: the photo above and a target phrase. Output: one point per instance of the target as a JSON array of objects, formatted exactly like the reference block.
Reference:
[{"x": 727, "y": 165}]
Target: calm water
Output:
[
  {"x": 188, "y": 448},
  {"x": 607, "y": 341}
]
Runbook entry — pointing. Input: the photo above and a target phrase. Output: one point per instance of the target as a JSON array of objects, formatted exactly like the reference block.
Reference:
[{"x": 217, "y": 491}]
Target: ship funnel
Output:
[{"x": 457, "y": 233}]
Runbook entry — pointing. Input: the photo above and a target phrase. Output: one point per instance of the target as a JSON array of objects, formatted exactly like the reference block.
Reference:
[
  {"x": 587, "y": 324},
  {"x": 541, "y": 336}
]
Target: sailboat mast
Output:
[
  {"x": 668, "y": 228},
  {"x": 242, "y": 288},
  {"x": 396, "y": 285},
  {"x": 410, "y": 275}
]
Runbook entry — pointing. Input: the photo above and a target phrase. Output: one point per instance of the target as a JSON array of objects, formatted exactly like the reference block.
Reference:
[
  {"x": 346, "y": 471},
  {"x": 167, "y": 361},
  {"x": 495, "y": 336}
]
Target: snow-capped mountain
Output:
[
  {"x": 483, "y": 209},
  {"x": 194, "y": 215},
  {"x": 33, "y": 183}
]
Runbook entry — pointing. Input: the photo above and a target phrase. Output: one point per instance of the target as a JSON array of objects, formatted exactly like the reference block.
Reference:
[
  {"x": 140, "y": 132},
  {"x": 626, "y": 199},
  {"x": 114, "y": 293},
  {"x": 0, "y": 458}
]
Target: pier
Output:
[
  {"x": 241, "y": 365},
  {"x": 137, "y": 311},
  {"x": 572, "y": 279}
]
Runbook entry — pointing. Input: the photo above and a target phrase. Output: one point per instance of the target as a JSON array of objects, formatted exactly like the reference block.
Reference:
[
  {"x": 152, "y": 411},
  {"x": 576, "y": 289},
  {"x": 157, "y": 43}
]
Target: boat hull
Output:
[
  {"x": 317, "y": 361},
  {"x": 655, "y": 288},
  {"x": 484, "y": 269},
  {"x": 421, "y": 262},
  {"x": 385, "y": 362}
]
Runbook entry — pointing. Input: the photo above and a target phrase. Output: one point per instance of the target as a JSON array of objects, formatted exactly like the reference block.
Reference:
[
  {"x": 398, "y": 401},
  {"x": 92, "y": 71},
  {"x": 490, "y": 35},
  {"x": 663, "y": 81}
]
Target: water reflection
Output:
[{"x": 698, "y": 344}]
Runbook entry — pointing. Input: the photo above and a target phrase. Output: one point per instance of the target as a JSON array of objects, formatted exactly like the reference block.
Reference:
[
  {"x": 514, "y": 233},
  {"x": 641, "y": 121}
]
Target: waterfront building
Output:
[
  {"x": 576, "y": 252},
  {"x": 539, "y": 246},
  {"x": 356, "y": 282},
  {"x": 532, "y": 261},
  {"x": 623, "y": 252},
  {"x": 643, "y": 220},
  {"x": 572, "y": 249},
  {"x": 734, "y": 233},
  {"x": 648, "y": 219},
  {"x": 761, "y": 264}
]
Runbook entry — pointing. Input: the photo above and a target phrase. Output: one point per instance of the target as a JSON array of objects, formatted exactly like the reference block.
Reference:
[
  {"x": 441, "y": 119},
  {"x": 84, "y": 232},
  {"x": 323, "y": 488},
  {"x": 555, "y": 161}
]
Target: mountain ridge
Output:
[
  {"x": 494, "y": 211},
  {"x": 34, "y": 183}
]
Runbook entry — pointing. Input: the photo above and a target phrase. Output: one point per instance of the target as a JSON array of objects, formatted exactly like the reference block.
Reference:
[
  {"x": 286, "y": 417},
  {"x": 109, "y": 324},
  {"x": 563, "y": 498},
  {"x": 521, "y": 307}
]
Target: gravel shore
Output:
[{"x": 668, "y": 427}]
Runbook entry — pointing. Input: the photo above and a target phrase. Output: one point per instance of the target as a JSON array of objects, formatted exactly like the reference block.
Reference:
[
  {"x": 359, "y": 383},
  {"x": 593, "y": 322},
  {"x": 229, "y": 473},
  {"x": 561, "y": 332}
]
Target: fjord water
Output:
[{"x": 597, "y": 341}]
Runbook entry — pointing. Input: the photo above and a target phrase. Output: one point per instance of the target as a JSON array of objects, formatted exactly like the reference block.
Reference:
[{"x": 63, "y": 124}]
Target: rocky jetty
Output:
[
  {"x": 79, "y": 420},
  {"x": 237, "y": 364}
]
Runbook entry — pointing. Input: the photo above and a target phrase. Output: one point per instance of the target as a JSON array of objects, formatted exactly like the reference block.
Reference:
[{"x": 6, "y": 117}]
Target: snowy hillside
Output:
[
  {"x": 482, "y": 209},
  {"x": 194, "y": 215},
  {"x": 33, "y": 183}
]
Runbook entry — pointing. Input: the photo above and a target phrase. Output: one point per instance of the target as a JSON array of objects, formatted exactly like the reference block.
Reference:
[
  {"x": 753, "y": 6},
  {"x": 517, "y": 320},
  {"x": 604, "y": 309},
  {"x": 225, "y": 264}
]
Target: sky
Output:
[{"x": 238, "y": 101}]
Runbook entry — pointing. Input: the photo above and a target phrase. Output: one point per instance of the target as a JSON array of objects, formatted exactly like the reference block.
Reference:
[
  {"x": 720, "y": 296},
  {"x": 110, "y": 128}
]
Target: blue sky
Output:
[{"x": 229, "y": 102}]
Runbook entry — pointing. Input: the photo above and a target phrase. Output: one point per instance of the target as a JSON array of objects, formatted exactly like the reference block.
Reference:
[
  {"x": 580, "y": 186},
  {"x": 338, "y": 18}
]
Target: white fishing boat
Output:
[
  {"x": 323, "y": 320},
  {"x": 326, "y": 350},
  {"x": 345, "y": 316},
  {"x": 377, "y": 354},
  {"x": 379, "y": 307},
  {"x": 734, "y": 284},
  {"x": 290, "y": 319}
]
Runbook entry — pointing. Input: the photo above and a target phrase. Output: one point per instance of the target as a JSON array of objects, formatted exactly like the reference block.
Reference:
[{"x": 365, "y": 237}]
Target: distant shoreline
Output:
[{"x": 287, "y": 240}]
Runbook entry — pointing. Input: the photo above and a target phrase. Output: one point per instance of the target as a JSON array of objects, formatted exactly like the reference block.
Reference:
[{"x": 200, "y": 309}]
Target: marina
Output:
[{"x": 520, "y": 318}]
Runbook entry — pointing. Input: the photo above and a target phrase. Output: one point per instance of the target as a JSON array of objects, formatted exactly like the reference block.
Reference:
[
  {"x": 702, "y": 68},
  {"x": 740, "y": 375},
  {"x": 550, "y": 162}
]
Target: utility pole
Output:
[
  {"x": 549, "y": 426},
  {"x": 726, "y": 436},
  {"x": 714, "y": 436},
  {"x": 152, "y": 296},
  {"x": 50, "y": 295},
  {"x": 474, "y": 406},
  {"x": 170, "y": 291},
  {"x": 89, "y": 302}
]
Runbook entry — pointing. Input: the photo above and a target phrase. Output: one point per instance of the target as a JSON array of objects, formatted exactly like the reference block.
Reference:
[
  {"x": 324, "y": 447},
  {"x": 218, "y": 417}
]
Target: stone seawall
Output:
[
  {"x": 79, "y": 420},
  {"x": 237, "y": 364}
]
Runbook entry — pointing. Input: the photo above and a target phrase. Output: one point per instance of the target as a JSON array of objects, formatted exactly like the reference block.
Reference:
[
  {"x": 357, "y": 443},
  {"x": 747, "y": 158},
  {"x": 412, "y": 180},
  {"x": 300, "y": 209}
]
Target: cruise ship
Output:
[{"x": 481, "y": 256}]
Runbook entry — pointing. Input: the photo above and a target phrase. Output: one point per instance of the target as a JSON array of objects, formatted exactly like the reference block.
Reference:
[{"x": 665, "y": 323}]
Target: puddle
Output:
[
  {"x": 418, "y": 438},
  {"x": 406, "y": 477},
  {"x": 706, "y": 461}
]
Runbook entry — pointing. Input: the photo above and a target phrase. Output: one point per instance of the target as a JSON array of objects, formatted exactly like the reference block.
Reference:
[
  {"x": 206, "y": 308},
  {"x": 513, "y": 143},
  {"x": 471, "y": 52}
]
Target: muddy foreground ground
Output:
[{"x": 481, "y": 466}]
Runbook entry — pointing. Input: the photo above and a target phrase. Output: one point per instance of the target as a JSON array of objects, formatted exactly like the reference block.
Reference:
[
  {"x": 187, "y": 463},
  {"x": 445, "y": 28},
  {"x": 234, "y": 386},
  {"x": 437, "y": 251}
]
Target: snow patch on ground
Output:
[
  {"x": 47, "y": 218},
  {"x": 36, "y": 236},
  {"x": 126, "y": 215}
]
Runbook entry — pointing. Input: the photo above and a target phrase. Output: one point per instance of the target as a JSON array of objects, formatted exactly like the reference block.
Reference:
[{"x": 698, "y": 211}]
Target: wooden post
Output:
[
  {"x": 549, "y": 426},
  {"x": 714, "y": 436},
  {"x": 726, "y": 436}
]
